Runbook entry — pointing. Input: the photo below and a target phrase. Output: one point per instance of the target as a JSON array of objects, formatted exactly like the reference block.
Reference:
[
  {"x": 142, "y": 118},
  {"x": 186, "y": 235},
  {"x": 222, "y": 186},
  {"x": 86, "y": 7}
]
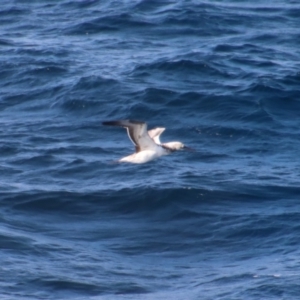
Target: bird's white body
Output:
[
  {"x": 144, "y": 156},
  {"x": 147, "y": 143}
]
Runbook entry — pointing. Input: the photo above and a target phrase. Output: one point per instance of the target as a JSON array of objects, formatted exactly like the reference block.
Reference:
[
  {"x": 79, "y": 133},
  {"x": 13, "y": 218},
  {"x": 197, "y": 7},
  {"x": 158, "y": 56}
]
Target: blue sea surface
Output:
[{"x": 219, "y": 223}]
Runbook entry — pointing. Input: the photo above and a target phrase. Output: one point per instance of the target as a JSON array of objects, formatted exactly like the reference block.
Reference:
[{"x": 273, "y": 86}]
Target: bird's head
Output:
[{"x": 174, "y": 146}]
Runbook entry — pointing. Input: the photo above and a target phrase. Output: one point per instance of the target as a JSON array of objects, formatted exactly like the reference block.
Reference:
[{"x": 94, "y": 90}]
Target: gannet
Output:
[{"x": 147, "y": 143}]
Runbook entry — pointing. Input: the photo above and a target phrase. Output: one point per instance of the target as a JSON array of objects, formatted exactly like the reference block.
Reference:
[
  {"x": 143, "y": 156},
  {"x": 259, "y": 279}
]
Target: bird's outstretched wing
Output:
[
  {"x": 155, "y": 134},
  {"x": 137, "y": 132}
]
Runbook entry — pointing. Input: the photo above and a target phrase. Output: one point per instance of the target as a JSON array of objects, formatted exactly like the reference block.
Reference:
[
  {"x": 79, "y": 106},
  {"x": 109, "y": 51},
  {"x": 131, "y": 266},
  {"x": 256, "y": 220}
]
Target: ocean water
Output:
[{"x": 221, "y": 222}]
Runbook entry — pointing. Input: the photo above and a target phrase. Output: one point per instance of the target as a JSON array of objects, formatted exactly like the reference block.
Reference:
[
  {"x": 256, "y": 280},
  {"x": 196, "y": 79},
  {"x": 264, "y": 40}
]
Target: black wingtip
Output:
[
  {"x": 121, "y": 122},
  {"x": 112, "y": 123}
]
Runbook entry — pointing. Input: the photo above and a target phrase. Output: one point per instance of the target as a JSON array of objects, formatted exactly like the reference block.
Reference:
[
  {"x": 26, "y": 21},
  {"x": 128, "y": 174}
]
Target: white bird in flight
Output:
[{"x": 147, "y": 143}]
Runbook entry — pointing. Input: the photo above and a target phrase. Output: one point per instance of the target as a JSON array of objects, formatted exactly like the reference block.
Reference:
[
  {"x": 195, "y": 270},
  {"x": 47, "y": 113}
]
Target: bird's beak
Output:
[{"x": 189, "y": 149}]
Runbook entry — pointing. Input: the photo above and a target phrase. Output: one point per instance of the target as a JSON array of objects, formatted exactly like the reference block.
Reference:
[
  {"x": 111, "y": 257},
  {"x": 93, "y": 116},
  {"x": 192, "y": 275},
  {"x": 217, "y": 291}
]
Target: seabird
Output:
[{"x": 147, "y": 143}]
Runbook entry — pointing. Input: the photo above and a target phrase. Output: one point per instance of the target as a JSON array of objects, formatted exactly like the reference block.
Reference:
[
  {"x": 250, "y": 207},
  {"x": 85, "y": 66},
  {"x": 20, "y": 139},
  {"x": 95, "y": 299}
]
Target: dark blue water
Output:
[{"x": 222, "y": 222}]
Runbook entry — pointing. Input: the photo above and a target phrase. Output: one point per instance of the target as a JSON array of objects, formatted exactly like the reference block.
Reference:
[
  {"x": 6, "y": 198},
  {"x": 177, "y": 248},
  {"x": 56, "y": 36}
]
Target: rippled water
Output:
[{"x": 218, "y": 223}]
